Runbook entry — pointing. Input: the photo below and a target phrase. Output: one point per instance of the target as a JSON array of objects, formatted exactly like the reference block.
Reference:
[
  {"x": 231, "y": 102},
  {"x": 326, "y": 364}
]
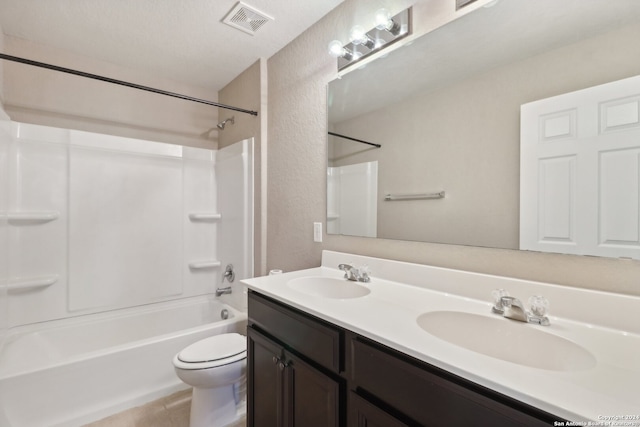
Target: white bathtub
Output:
[{"x": 74, "y": 371}]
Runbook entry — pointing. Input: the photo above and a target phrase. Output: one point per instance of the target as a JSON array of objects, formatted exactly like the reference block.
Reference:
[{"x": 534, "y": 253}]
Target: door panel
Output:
[{"x": 580, "y": 172}]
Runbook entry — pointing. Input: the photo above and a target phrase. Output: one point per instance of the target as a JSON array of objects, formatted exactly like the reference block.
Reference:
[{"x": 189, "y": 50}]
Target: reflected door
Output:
[{"x": 580, "y": 172}]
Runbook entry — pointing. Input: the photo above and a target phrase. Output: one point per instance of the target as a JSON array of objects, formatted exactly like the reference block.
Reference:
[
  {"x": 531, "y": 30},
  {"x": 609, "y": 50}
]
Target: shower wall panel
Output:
[
  {"x": 38, "y": 218},
  {"x": 97, "y": 222},
  {"x": 5, "y": 143},
  {"x": 200, "y": 219},
  {"x": 125, "y": 224},
  {"x": 234, "y": 168}
]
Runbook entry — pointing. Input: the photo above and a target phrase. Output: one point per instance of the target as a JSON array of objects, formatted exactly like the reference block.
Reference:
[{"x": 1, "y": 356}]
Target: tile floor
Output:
[{"x": 170, "y": 411}]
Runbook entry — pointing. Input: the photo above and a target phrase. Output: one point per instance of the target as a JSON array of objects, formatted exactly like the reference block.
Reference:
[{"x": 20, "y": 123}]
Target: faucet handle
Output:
[
  {"x": 497, "y": 295},
  {"x": 538, "y": 305},
  {"x": 363, "y": 273}
]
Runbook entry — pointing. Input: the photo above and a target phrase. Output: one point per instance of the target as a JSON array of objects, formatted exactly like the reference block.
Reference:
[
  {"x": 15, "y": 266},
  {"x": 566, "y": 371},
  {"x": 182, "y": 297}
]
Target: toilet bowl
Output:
[{"x": 215, "y": 367}]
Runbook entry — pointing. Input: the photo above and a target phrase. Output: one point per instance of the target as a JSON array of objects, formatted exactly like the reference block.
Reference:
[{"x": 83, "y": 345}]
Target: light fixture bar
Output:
[{"x": 376, "y": 39}]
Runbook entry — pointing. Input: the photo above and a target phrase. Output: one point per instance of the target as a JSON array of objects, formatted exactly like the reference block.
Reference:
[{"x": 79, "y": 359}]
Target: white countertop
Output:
[{"x": 607, "y": 325}]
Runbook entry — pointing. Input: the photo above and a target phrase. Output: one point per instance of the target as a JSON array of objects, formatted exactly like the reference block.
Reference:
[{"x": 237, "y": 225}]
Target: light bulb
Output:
[
  {"x": 384, "y": 22},
  {"x": 338, "y": 51},
  {"x": 335, "y": 48},
  {"x": 358, "y": 35},
  {"x": 383, "y": 19}
]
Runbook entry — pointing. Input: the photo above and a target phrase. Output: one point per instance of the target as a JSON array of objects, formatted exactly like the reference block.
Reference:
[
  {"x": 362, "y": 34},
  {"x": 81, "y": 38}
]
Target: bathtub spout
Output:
[{"x": 223, "y": 291}]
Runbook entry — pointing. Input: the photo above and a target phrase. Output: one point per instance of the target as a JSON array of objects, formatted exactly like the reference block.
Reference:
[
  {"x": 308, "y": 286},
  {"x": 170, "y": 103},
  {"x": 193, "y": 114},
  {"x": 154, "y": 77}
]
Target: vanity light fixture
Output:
[{"x": 362, "y": 43}]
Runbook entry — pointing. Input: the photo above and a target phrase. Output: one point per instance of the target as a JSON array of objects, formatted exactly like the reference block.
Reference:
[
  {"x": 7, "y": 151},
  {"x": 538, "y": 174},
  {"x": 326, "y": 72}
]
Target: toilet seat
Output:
[{"x": 212, "y": 352}]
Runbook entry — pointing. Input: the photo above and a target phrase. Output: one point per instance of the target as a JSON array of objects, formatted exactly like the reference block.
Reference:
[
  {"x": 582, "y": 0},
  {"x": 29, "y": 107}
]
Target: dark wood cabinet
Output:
[
  {"x": 311, "y": 397},
  {"x": 293, "y": 368},
  {"x": 285, "y": 390},
  {"x": 306, "y": 372},
  {"x": 265, "y": 377},
  {"x": 430, "y": 396},
  {"x": 363, "y": 413}
]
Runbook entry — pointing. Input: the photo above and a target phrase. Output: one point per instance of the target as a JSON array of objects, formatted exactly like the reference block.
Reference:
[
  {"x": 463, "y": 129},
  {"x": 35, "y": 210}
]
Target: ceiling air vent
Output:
[{"x": 246, "y": 18}]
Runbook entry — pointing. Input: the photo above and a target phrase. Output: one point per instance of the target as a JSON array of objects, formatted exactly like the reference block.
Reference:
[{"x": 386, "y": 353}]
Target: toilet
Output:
[{"x": 215, "y": 367}]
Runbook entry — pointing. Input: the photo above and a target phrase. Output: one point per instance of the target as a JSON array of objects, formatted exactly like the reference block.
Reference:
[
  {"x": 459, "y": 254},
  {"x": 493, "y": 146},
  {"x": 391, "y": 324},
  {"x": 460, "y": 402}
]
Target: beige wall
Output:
[
  {"x": 465, "y": 139},
  {"x": 297, "y": 128},
  {"x": 249, "y": 91},
  {"x": 39, "y": 96}
]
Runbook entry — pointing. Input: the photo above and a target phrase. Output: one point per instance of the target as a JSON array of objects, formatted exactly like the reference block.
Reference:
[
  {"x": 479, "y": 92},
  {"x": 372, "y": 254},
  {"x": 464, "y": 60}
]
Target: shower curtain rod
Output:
[
  {"x": 122, "y": 83},
  {"x": 354, "y": 139}
]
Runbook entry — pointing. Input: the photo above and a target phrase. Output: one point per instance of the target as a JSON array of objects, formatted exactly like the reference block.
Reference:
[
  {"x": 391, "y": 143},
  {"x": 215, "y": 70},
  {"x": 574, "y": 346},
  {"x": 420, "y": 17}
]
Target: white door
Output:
[{"x": 580, "y": 172}]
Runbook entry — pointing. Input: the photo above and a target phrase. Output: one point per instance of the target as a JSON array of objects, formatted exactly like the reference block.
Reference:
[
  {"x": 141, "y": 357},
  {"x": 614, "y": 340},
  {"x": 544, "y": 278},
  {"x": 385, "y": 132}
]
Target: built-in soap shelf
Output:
[
  {"x": 27, "y": 284},
  {"x": 204, "y": 216},
  {"x": 204, "y": 264},
  {"x": 33, "y": 217}
]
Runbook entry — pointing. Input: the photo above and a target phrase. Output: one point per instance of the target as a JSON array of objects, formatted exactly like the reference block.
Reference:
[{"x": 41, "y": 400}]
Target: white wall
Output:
[
  {"x": 5, "y": 140},
  {"x": 298, "y": 76}
]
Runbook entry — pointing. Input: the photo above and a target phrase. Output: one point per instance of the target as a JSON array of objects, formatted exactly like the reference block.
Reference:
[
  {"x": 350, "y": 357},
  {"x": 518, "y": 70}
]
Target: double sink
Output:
[{"x": 491, "y": 335}]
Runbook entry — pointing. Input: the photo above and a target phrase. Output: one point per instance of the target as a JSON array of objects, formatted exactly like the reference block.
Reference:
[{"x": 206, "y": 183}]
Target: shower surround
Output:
[{"x": 101, "y": 235}]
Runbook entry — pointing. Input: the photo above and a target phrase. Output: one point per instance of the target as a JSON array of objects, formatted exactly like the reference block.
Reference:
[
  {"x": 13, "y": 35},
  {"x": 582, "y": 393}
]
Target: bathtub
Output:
[{"x": 74, "y": 371}]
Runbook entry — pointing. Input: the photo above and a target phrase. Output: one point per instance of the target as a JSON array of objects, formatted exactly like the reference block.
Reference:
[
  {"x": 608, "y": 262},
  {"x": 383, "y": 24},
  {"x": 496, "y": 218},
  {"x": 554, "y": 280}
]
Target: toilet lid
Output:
[{"x": 214, "y": 348}]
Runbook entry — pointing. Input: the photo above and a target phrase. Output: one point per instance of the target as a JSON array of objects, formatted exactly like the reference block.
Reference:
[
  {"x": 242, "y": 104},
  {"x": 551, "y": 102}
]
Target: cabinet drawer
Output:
[
  {"x": 364, "y": 414},
  {"x": 430, "y": 396},
  {"x": 314, "y": 338}
]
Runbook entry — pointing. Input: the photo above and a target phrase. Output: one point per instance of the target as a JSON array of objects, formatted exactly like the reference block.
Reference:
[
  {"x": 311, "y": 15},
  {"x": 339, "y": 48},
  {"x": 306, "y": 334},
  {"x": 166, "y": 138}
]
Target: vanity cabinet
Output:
[
  {"x": 304, "y": 371},
  {"x": 293, "y": 372}
]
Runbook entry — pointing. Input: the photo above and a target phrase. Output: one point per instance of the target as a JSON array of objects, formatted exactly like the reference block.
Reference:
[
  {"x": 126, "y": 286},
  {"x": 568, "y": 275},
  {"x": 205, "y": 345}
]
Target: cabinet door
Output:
[
  {"x": 364, "y": 414},
  {"x": 265, "y": 380},
  {"x": 311, "y": 397}
]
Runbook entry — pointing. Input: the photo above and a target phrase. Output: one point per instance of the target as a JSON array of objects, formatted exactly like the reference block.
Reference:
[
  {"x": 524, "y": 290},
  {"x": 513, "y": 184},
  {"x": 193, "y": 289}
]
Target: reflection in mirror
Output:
[{"x": 446, "y": 111}]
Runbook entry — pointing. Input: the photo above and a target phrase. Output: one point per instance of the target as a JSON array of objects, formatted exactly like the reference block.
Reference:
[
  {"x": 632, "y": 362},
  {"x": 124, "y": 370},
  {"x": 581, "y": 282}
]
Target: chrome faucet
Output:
[
  {"x": 355, "y": 274},
  {"x": 512, "y": 308},
  {"x": 229, "y": 275},
  {"x": 223, "y": 291}
]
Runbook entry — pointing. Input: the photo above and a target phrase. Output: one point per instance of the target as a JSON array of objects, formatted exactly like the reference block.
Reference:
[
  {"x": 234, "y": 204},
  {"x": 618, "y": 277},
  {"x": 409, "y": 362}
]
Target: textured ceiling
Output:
[{"x": 184, "y": 40}]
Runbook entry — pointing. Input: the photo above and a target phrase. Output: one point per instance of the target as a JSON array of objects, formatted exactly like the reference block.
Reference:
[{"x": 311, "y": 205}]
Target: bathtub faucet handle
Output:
[{"x": 229, "y": 274}]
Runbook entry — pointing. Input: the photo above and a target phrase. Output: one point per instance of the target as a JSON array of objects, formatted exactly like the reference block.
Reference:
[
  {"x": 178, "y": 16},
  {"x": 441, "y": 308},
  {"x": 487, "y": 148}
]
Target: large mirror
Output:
[{"x": 446, "y": 112}]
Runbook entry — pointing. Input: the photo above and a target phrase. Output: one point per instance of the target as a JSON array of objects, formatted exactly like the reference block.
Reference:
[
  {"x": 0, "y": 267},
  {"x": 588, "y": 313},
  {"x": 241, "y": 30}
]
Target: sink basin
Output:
[
  {"x": 506, "y": 339},
  {"x": 328, "y": 287}
]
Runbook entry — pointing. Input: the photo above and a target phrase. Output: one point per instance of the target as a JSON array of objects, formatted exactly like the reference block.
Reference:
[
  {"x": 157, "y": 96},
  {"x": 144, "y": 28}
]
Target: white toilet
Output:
[{"x": 215, "y": 367}]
